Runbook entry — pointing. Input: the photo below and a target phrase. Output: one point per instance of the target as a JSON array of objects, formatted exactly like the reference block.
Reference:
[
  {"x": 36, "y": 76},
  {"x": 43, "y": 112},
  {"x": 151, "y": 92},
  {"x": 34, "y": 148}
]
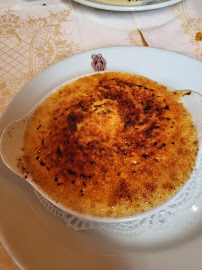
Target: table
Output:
[{"x": 37, "y": 34}]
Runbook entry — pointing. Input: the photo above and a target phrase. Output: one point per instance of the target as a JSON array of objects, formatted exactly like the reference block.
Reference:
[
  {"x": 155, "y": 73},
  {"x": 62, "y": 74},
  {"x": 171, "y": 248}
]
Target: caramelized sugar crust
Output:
[{"x": 110, "y": 144}]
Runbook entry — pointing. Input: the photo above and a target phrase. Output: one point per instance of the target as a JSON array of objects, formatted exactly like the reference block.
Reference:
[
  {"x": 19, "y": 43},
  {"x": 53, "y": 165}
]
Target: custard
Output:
[{"x": 110, "y": 145}]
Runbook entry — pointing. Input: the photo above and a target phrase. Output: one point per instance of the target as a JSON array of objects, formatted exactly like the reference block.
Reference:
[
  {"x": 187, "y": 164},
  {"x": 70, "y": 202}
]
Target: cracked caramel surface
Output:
[{"x": 110, "y": 144}]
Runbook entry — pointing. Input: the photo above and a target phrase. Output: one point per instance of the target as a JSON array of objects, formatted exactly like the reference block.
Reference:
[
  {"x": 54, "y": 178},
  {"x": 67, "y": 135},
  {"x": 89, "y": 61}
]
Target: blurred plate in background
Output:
[{"x": 122, "y": 5}]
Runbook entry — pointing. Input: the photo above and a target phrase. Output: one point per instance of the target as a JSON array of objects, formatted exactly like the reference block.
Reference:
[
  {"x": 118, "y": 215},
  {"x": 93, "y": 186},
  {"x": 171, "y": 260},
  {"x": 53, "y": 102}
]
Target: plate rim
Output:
[{"x": 127, "y": 8}]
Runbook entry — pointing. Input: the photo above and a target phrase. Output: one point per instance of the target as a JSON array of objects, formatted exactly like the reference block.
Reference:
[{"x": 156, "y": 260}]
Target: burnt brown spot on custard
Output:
[
  {"x": 150, "y": 187},
  {"x": 122, "y": 190}
]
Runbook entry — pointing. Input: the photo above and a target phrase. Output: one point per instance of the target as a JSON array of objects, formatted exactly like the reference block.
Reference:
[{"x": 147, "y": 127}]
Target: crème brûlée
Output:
[{"x": 110, "y": 144}]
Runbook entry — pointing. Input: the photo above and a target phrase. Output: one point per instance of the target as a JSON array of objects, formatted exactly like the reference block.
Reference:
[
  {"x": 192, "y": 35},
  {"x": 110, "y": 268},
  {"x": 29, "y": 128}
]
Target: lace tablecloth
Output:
[{"x": 36, "y": 34}]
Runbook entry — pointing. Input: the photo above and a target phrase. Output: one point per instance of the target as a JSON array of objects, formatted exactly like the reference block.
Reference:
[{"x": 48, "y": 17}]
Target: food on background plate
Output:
[
  {"x": 123, "y": 2},
  {"x": 110, "y": 145}
]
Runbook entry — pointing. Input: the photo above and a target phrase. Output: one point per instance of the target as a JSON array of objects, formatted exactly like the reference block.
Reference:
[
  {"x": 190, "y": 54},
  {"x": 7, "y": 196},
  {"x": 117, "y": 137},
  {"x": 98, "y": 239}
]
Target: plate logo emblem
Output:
[{"x": 98, "y": 62}]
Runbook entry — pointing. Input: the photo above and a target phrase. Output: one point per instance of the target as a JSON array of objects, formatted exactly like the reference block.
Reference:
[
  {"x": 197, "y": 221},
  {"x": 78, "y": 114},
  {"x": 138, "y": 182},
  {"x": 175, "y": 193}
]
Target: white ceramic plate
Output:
[
  {"x": 39, "y": 240},
  {"x": 145, "y": 5}
]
